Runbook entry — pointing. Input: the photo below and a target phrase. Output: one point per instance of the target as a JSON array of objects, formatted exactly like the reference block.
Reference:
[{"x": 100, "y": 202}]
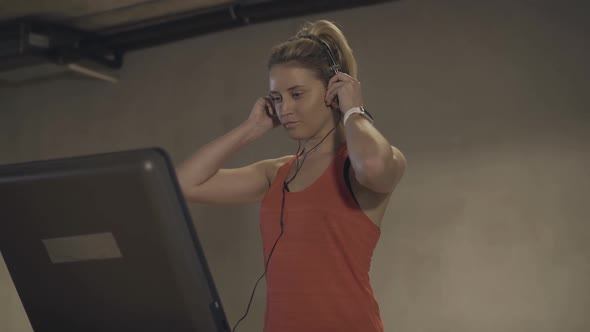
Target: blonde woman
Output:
[{"x": 321, "y": 209}]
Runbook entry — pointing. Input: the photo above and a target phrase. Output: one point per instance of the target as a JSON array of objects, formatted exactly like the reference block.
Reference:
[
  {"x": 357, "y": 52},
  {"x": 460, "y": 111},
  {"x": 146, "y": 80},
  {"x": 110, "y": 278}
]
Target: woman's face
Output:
[{"x": 299, "y": 99}]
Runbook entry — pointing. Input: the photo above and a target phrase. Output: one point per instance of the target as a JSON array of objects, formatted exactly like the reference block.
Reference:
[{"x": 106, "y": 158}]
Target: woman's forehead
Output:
[{"x": 283, "y": 77}]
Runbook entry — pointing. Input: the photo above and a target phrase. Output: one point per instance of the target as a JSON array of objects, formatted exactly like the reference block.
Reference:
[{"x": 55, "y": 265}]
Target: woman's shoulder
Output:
[
  {"x": 273, "y": 166},
  {"x": 276, "y": 163}
]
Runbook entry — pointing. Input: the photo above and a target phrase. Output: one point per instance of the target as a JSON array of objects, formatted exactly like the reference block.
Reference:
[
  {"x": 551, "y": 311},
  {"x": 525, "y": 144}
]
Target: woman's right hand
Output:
[{"x": 263, "y": 116}]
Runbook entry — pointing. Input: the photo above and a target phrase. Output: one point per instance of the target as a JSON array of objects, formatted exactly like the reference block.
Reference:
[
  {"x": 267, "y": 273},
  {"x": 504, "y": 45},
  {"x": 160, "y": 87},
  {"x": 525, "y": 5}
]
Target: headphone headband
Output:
[{"x": 333, "y": 64}]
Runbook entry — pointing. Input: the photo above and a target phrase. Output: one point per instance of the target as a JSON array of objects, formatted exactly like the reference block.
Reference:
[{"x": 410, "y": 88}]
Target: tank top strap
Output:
[
  {"x": 284, "y": 169},
  {"x": 341, "y": 156},
  {"x": 342, "y": 150}
]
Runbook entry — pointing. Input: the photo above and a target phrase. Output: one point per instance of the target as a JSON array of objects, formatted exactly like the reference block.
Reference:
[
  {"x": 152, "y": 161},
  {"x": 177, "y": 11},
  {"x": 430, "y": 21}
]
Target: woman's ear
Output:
[{"x": 335, "y": 106}]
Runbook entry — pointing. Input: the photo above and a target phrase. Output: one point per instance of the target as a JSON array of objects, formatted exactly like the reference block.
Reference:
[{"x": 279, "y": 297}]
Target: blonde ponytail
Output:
[{"x": 311, "y": 54}]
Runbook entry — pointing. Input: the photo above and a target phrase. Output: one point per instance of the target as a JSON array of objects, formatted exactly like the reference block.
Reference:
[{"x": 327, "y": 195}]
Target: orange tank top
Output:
[{"x": 318, "y": 275}]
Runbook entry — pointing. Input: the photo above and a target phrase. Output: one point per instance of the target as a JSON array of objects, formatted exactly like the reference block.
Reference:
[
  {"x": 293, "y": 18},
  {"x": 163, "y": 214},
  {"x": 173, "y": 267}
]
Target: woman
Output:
[{"x": 321, "y": 209}]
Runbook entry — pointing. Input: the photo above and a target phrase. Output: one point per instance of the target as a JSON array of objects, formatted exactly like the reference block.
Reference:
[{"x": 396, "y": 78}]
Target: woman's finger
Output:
[
  {"x": 333, "y": 91},
  {"x": 270, "y": 110},
  {"x": 337, "y": 77}
]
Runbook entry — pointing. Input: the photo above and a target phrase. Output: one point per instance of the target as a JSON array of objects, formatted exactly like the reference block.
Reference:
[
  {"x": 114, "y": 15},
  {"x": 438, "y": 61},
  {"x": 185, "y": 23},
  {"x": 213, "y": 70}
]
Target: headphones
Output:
[{"x": 333, "y": 64}]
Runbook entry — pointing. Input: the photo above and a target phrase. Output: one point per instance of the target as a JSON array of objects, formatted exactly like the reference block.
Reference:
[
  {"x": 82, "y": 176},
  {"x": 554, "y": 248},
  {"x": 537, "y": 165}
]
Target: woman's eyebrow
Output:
[
  {"x": 294, "y": 87},
  {"x": 289, "y": 89}
]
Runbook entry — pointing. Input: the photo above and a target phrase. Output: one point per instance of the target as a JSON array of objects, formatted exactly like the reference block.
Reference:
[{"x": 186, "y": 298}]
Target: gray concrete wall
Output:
[{"x": 489, "y": 228}]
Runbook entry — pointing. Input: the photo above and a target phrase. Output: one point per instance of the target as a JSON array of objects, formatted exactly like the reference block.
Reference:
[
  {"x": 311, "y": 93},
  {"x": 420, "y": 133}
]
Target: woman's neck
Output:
[{"x": 332, "y": 137}]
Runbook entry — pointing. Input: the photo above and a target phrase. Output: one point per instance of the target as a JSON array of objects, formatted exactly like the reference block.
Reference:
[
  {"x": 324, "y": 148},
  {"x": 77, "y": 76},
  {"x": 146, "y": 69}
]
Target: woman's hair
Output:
[{"x": 307, "y": 50}]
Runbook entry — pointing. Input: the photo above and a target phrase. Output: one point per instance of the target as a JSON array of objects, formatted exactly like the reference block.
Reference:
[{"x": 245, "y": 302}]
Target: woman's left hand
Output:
[{"x": 348, "y": 91}]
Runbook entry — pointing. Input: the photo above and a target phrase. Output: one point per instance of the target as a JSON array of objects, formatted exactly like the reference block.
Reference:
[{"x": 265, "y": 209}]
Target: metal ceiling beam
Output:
[
  {"x": 66, "y": 45},
  {"x": 164, "y": 30}
]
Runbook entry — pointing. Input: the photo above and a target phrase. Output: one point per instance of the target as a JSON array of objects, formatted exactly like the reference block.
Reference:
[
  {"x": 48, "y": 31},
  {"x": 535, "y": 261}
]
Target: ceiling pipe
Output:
[
  {"x": 174, "y": 28},
  {"x": 107, "y": 48}
]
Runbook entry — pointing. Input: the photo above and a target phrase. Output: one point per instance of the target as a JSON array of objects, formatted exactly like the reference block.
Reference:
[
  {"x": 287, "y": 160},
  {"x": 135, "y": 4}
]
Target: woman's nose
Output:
[{"x": 285, "y": 108}]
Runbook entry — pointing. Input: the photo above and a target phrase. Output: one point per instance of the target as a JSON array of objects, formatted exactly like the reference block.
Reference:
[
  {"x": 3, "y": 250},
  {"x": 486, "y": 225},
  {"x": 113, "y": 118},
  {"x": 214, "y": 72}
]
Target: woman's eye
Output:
[
  {"x": 276, "y": 99},
  {"x": 297, "y": 94}
]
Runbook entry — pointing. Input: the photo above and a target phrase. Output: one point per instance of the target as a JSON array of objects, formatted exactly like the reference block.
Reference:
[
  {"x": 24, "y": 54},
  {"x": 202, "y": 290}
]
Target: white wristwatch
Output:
[{"x": 360, "y": 110}]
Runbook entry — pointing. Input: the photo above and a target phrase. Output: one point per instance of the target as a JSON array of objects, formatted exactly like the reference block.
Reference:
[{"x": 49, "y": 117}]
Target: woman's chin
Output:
[{"x": 294, "y": 134}]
